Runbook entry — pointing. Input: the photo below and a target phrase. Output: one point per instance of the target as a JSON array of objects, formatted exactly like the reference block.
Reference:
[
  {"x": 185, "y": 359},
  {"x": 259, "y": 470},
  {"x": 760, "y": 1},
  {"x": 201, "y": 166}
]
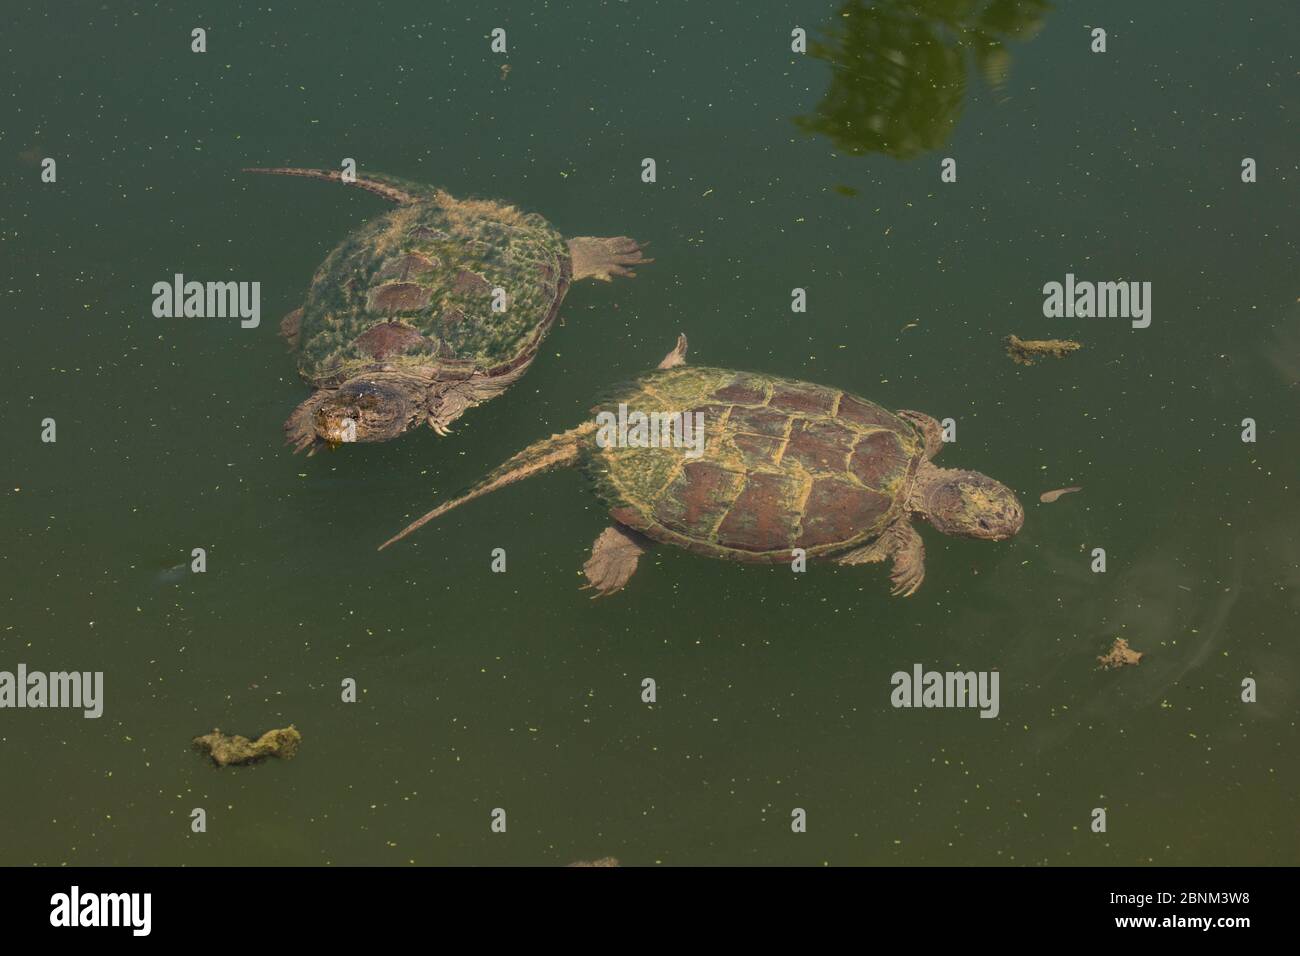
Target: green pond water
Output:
[{"x": 775, "y": 171}]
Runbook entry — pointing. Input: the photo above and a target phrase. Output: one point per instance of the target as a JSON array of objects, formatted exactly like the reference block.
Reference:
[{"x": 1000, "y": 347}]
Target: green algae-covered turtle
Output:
[
  {"x": 436, "y": 306},
  {"x": 780, "y": 465}
]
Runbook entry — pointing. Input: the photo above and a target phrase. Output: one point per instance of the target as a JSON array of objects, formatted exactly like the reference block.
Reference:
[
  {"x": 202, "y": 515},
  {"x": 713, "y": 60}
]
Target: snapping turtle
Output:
[
  {"x": 430, "y": 309},
  {"x": 783, "y": 465}
]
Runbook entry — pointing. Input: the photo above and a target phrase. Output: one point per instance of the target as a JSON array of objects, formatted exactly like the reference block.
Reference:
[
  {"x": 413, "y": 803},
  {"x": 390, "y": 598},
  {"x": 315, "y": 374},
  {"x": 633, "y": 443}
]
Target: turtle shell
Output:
[
  {"x": 415, "y": 287},
  {"x": 785, "y": 464}
]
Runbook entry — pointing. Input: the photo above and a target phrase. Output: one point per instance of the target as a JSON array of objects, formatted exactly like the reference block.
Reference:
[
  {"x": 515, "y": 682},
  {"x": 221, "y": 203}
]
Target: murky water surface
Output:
[{"x": 774, "y": 171}]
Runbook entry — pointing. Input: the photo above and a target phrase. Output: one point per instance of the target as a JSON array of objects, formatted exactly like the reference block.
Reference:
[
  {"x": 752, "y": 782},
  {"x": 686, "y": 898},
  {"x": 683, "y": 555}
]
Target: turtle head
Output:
[
  {"x": 367, "y": 408},
  {"x": 968, "y": 504}
]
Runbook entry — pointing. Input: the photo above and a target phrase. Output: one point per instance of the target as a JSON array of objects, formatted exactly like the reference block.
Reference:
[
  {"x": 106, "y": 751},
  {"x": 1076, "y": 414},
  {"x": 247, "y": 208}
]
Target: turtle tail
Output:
[
  {"x": 401, "y": 191},
  {"x": 558, "y": 451}
]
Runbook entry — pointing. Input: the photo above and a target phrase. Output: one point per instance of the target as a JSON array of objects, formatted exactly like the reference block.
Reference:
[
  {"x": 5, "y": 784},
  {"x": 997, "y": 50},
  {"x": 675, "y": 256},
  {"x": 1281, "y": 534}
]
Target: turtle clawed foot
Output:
[
  {"x": 626, "y": 252},
  {"x": 439, "y": 424},
  {"x": 622, "y": 252},
  {"x": 604, "y": 581},
  {"x": 906, "y": 581},
  {"x": 304, "y": 442},
  {"x": 604, "y": 259},
  {"x": 300, "y": 427}
]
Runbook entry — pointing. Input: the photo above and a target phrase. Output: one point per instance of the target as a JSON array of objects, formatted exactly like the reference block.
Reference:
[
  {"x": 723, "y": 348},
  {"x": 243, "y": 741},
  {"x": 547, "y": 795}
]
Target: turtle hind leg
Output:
[
  {"x": 677, "y": 356},
  {"x": 901, "y": 543},
  {"x": 604, "y": 258},
  {"x": 290, "y": 327},
  {"x": 613, "y": 560}
]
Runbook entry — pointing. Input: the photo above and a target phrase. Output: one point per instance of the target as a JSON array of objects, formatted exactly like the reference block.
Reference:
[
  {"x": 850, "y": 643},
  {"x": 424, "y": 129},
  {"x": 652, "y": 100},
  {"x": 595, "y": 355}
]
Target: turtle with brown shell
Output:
[
  {"x": 429, "y": 309},
  {"x": 784, "y": 465}
]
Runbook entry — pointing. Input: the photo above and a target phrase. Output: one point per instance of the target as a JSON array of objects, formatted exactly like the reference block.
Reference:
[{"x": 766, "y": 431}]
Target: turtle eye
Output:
[{"x": 984, "y": 524}]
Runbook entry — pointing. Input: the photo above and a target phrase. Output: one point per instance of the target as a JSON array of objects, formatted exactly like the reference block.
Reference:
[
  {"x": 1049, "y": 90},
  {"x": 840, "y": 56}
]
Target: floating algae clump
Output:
[
  {"x": 226, "y": 750},
  {"x": 1028, "y": 351},
  {"x": 1119, "y": 655}
]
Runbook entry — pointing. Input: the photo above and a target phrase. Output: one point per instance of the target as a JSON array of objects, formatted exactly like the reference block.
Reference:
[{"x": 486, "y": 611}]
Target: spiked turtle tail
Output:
[
  {"x": 558, "y": 451},
  {"x": 401, "y": 191}
]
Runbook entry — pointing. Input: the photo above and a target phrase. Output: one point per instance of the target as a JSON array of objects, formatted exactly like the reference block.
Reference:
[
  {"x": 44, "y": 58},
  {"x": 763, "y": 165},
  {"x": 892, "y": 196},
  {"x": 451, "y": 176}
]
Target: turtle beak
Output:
[
  {"x": 1010, "y": 520},
  {"x": 336, "y": 423},
  {"x": 996, "y": 514}
]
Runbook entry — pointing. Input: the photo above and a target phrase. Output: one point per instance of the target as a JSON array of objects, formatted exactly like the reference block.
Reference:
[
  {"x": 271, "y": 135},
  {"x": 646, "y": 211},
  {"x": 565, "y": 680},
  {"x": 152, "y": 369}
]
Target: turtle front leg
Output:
[
  {"x": 901, "y": 543},
  {"x": 440, "y": 421},
  {"x": 909, "y": 560},
  {"x": 300, "y": 427},
  {"x": 446, "y": 402},
  {"x": 929, "y": 429},
  {"x": 613, "y": 560},
  {"x": 596, "y": 258},
  {"x": 447, "y": 405}
]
